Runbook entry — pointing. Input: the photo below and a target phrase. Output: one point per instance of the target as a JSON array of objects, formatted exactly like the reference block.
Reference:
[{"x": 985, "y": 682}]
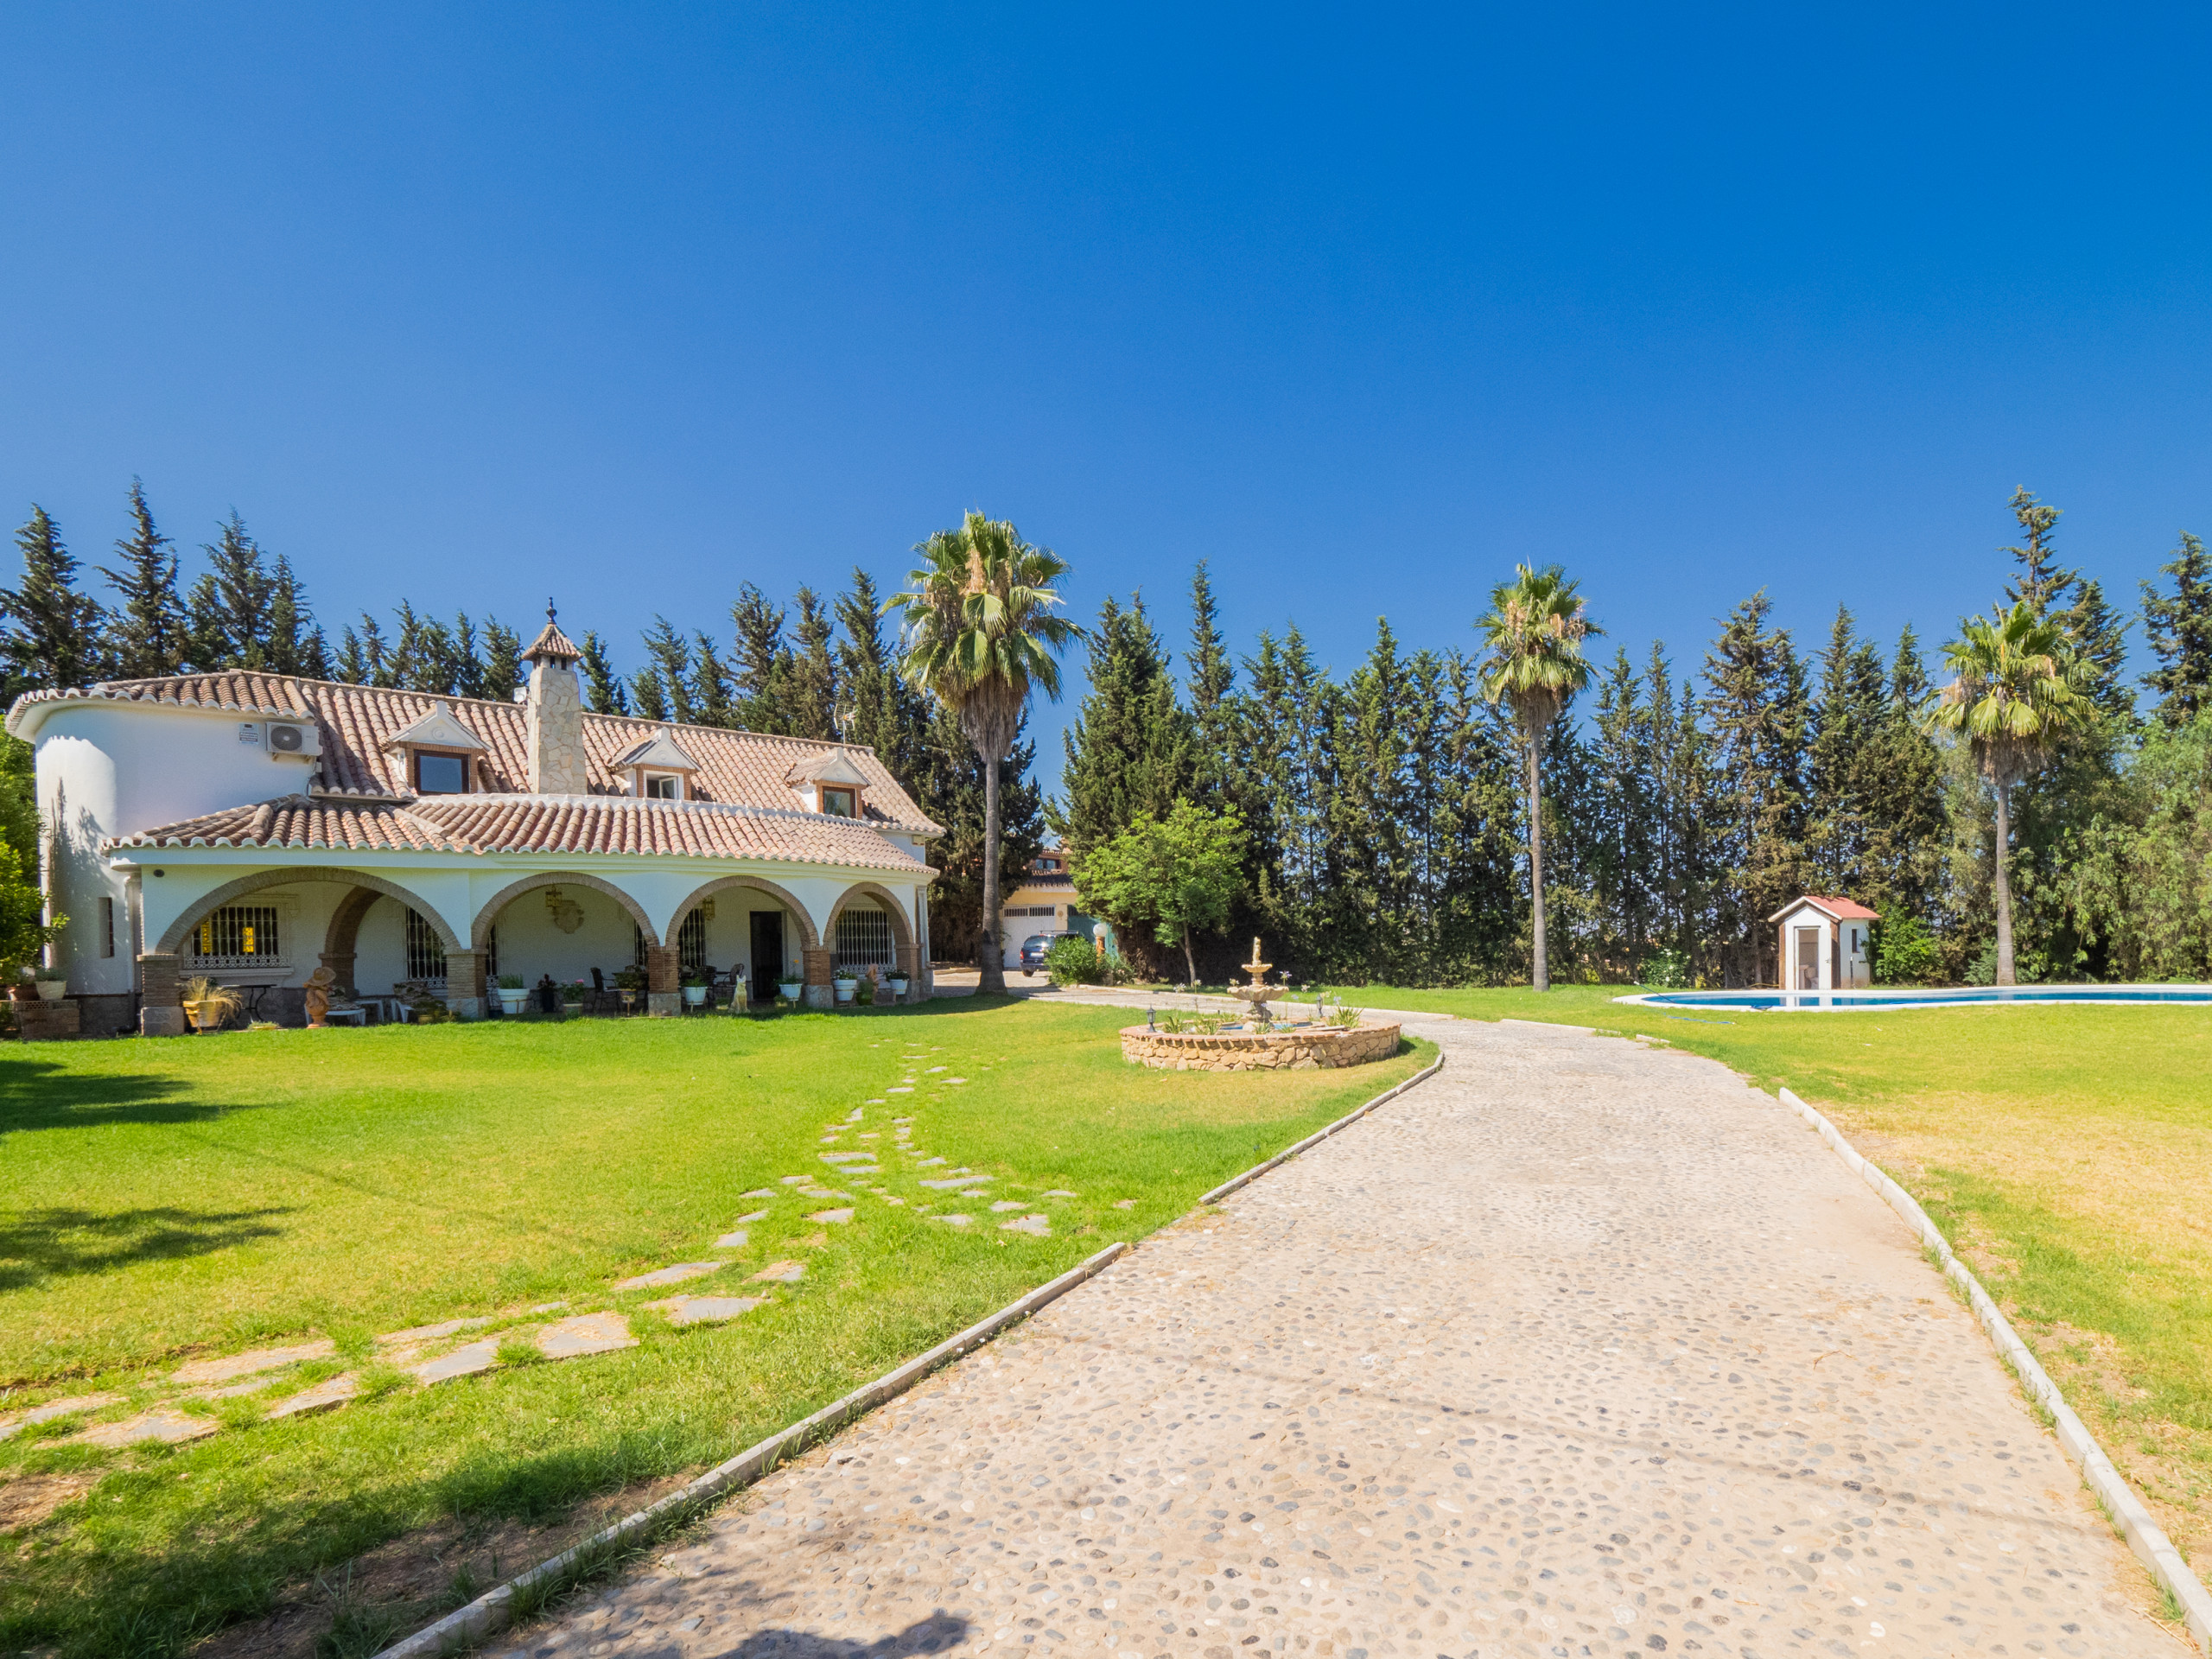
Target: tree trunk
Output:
[
  {"x": 2004, "y": 974},
  {"x": 1189, "y": 962},
  {"x": 992, "y": 960},
  {"x": 1543, "y": 967}
]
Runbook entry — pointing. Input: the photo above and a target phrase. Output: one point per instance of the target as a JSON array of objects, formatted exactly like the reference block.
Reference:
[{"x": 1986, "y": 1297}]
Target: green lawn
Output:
[
  {"x": 2065, "y": 1151},
  {"x": 166, "y": 1200}
]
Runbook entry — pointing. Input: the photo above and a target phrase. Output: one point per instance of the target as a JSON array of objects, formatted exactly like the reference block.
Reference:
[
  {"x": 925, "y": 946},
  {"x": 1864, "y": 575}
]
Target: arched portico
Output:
[
  {"x": 179, "y": 930},
  {"x": 809, "y": 938},
  {"x": 902, "y": 932},
  {"x": 487, "y": 914}
]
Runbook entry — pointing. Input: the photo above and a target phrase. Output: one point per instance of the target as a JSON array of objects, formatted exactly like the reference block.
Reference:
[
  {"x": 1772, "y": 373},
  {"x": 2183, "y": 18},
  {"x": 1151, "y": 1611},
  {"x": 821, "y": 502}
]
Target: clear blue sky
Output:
[{"x": 629, "y": 304}]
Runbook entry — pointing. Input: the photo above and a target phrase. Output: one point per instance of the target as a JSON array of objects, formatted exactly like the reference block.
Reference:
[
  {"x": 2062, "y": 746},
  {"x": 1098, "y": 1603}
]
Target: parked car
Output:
[{"x": 1034, "y": 947}]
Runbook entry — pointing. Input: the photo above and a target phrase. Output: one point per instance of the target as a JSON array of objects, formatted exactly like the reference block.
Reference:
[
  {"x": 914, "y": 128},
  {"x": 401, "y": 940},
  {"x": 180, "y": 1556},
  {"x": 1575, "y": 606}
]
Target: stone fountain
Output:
[{"x": 1254, "y": 995}]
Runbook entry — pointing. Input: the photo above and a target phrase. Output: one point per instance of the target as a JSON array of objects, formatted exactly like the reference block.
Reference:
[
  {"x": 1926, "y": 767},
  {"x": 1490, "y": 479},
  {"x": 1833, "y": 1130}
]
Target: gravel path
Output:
[{"x": 1578, "y": 1349}]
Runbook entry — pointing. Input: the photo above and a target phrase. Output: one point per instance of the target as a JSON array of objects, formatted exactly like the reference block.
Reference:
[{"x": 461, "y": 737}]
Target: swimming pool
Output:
[{"x": 1960, "y": 997}]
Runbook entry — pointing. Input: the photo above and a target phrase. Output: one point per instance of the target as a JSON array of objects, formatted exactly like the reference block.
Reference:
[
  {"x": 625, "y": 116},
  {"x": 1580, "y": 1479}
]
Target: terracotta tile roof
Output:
[
  {"x": 551, "y": 642},
  {"x": 566, "y": 824},
  {"x": 1844, "y": 910},
  {"x": 735, "y": 768}
]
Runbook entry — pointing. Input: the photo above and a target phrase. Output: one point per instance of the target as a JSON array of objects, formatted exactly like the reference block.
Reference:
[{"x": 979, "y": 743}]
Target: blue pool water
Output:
[{"x": 1969, "y": 996}]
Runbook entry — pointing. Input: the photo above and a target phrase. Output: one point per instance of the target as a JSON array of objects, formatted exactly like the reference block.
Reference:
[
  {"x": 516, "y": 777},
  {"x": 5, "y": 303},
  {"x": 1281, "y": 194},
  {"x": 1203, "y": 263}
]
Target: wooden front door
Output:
[{"x": 767, "y": 954}]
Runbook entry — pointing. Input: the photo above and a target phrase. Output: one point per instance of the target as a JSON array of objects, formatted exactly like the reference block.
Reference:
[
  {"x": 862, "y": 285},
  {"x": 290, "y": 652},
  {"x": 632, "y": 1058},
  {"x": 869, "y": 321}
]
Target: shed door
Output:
[{"x": 1809, "y": 959}]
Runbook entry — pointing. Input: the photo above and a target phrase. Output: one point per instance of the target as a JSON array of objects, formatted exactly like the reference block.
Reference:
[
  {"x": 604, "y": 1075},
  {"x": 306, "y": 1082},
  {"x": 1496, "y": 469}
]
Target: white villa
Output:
[{"x": 254, "y": 827}]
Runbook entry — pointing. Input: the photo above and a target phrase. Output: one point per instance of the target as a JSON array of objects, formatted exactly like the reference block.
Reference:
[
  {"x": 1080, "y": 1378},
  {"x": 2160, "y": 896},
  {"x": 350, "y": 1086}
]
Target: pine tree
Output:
[
  {"x": 1905, "y": 814},
  {"x": 710, "y": 688},
  {"x": 2042, "y": 581},
  {"x": 603, "y": 692},
  {"x": 1843, "y": 758},
  {"x": 503, "y": 673},
  {"x": 1214, "y": 710},
  {"x": 810, "y": 689},
  {"x": 53, "y": 633},
  {"x": 1128, "y": 749},
  {"x": 228, "y": 607},
  {"x": 661, "y": 690},
  {"x": 757, "y": 661},
  {"x": 1370, "y": 863},
  {"x": 293, "y": 644},
  {"x": 2179, "y": 629},
  {"x": 888, "y": 715},
  {"x": 1757, "y": 708},
  {"x": 149, "y": 626}
]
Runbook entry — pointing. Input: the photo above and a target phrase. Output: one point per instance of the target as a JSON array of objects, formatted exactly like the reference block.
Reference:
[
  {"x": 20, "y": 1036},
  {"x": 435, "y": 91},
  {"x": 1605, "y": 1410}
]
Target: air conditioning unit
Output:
[{"x": 289, "y": 740}]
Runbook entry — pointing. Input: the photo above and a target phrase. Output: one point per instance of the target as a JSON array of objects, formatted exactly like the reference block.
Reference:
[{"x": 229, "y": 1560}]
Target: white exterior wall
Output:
[{"x": 1857, "y": 969}]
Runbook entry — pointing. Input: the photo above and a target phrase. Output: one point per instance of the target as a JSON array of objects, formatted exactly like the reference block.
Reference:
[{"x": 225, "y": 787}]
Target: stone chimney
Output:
[{"x": 556, "y": 713}]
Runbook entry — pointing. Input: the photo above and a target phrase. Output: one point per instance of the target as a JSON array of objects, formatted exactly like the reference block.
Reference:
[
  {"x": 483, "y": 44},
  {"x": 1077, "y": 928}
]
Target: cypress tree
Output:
[
  {"x": 809, "y": 679},
  {"x": 2041, "y": 579},
  {"x": 228, "y": 607},
  {"x": 888, "y": 715},
  {"x": 710, "y": 701},
  {"x": 293, "y": 644},
  {"x": 149, "y": 628},
  {"x": 603, "y": 692},
  {"x": 1844, "y": 757},
  {"x": 1214, "y": 710},
  {"x": 53, "y": 633},
  {"x": 1756, "y": 704},
  {"x": 661, "y": 690},
  {"x": 757, "y": 661},
  {"x": 1128, "y": 749},
  {"x": 2178, "y": 627},
  {"x": 1905, "y": 826},
  {"x": 503, "y": 670}
]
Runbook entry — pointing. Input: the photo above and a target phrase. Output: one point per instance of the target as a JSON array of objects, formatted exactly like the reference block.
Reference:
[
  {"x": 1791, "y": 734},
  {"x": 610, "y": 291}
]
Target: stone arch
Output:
[
  {"x": 480, "y": 931},
  {"x": 179, "y": 930},
  {"x": 902, "y": 932},
  {"x": 807, "y": 937}
]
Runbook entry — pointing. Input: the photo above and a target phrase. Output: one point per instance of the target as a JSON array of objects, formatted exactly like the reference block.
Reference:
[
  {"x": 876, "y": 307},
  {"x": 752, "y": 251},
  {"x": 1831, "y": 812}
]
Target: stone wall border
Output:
[
  {"x": 1307, "y": 1048},
  {"x": 1319, "y": 1135},
  {"x": 490, "y": 1613},
  {"x": 2129, "y": 1517}
]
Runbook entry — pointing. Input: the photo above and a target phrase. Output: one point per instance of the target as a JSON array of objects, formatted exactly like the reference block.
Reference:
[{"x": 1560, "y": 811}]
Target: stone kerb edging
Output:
[
  {"x": 1319, "y": 1135},
  {"x": 2144, "y": 1534},
  {"x": 491, "y": 1612}
]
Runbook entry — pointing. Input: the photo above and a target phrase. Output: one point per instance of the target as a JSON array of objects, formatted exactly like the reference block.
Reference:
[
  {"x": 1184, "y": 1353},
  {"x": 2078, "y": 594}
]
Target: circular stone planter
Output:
[{"x": 1306, "y": 1048}]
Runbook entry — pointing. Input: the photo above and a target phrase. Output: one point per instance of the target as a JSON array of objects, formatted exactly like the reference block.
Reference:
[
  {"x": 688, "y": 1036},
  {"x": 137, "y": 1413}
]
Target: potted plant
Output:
[
  {"x": 790, "y": 988},
  {"x": 864, "y": 994},
  {"x": 572, "y": 996},
  {"x": 514, "y": 995},
  {"x": 694, "y": 990},
  {"x": 847, "y": 983},
  {"x": 207, "y": 1004},
  {"x": 899, "y": 985},
  {"x": 53, "y": 984}
]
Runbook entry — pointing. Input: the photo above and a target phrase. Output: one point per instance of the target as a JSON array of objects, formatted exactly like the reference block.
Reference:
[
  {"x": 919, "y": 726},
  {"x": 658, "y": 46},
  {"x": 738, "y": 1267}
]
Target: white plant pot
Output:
[
  {"x": 53, "y": 990},
  {"x": 695, "y": 996},
  {"x": 790, "y": 988},
  {"x": 845, "y": 989},
  {"x": 513, "y": 1002},
  {"x": 897, "y": 985}
]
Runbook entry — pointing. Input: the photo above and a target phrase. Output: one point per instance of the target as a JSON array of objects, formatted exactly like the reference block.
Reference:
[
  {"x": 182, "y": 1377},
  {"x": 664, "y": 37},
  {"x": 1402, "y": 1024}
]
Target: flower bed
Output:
[{"x": 1307, "y": 1048}]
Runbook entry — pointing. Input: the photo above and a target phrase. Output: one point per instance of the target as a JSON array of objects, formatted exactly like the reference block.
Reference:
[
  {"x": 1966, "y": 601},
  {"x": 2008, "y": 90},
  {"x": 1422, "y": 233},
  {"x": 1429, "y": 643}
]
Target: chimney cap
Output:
[{"x": 551, "y": 644}]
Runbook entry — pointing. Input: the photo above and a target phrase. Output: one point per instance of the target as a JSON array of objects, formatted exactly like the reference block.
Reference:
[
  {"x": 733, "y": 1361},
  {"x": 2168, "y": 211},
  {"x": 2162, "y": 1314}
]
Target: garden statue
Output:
[{"x": 318, "y": 997}]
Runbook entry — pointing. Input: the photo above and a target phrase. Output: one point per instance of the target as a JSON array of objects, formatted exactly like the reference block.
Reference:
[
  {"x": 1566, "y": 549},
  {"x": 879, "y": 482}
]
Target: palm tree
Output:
[
  {"x": 2017, "y": 696},
  {"x": 978, "y": 632},
  {"x": 1534, "y": 632}
]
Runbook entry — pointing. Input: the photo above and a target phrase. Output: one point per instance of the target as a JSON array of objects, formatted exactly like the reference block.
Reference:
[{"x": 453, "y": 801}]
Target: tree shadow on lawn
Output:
[
  {"x": 53, "y": 1242},
  {"x": 41, "y": 1094}
]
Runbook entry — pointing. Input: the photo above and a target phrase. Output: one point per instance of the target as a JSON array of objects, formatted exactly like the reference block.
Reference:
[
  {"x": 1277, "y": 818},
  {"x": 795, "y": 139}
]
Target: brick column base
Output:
[
  {"x": 909, "y": 966},
  {"x": 161, "y": 1010},
  {"x": 663, "y": 995},
  {"x": 814, "y": 967},
  {"x": 465, "y": 983}
]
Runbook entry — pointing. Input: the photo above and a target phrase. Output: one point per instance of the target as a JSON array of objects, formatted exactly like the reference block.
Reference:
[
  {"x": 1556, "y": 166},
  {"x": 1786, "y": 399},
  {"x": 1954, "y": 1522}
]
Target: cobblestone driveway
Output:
[{"x": 1578, "y": 1349}]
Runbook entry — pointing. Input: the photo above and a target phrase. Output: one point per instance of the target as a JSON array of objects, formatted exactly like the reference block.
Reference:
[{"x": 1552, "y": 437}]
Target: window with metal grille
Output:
[
  {"x": 864, "y": 940},
  {"x": 692, "y": 943},
  {"x": 236, "y": 936},
  {"x": 426, "y": 951}
]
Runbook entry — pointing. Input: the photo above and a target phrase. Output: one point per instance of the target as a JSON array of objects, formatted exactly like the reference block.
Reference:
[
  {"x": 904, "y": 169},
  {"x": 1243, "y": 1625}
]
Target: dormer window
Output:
[
  {"x": 440, "y": 774},
  {"x": 837, "y": 802},
  {"x": 663, "y": 786}
]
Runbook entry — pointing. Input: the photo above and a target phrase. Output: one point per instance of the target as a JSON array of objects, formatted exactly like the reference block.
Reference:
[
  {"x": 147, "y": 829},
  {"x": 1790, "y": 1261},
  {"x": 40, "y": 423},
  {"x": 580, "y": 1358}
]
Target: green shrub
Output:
[
  {"x": 1906, "y": 952},
  {"x": 1074, "y": 960},
  {"x": 1664, "y": 970},
  {"x": 510, "y": 981}
]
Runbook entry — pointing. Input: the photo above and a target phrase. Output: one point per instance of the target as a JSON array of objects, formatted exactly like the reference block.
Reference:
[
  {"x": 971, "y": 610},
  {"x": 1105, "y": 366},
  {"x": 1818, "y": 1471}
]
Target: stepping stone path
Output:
[
  {"x": 1578, "y": 1349},
  {"x": 1125, "y": 1203},
  {"x": 759, "y": 1193},
  {"x": 16, "y": 1422},
  {"x": 732, "y": 1241},
  {"x": 1060, "y": 1193},
  {"x": 321, "y": 1397},
  {"x": 780, "y": 1273},
  {"x": 461, "y": 1362},
  {"x": 671, "y": 1276},
  {"x": 586, "y": 1333},
  {"x": 953, "y": 1184},
  {"x": 955, "y": 1220},
  {"x": 706, "y": 1310},
  {"x": 1004, "y": 1204},
  {"x": 757, "y": 1215},
  {"x": 245, "y": 1364},
  {"x": 170, "y": 1426},
  {"x": 1036, "y": 1226},
  {"x": 837, "y": 1217}
]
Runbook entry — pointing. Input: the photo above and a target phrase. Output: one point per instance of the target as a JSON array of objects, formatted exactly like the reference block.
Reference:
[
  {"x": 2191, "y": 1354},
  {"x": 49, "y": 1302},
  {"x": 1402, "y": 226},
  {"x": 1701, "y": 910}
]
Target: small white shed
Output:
[{"x": 1824, "y": 944}]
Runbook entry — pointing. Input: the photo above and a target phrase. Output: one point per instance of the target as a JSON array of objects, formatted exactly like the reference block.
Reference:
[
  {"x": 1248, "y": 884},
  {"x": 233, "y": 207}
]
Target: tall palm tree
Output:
[
  {"x": 2016, "y": 694},
  {"x": 1534, "y": 632},
  {"x": 978, "y": 632}
]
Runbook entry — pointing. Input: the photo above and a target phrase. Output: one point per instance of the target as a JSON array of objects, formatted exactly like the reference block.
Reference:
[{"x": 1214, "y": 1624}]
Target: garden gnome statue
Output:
[{"x": 318, "y": 997}]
